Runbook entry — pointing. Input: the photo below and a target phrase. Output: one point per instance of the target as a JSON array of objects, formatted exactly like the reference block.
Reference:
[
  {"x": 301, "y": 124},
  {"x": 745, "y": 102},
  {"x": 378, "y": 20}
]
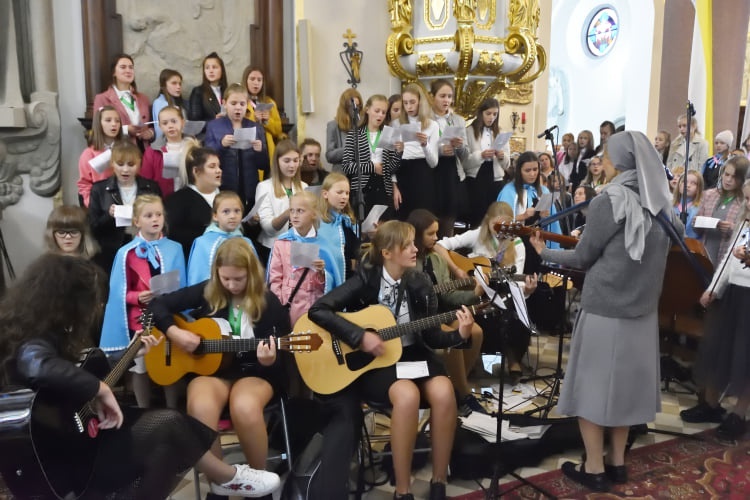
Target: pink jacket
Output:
[
  {"x": 282, "y": 278},
  {"x": 152, "y": 167},
  {"x": 109, "y": 98},
  {"x": 87, "y": 176},
  {"x": 138, "y": 276}
]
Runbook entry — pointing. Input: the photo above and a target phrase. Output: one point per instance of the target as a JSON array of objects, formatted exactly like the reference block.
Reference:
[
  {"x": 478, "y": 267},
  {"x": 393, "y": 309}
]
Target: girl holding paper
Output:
[
  {"x": 136, "y": 263},
  {"x": 133, "y": 107},
  {"x": 106, "y": 128},
  {"x": 170, "y": 94},
  {"x": 166, "y": 166},
  {"x": 298, "y": 288},
  {"x": 452, "y": 153},
  {"x": 110, "y": 211},
  {"x": 227, "y": 219},
  {"x": 375, "y": 162},
  {"x": 240, "y": 163},
  {"x": 337, "y": 222},
  {"x": 258, "y": 107},
  {"x": 388, "y": 277},
  {"x": 485, "y": 166},
  {"x": 723, "y": 202},
  {"x": 416, "y": 186},
  {"x": 272, "y": 196}
]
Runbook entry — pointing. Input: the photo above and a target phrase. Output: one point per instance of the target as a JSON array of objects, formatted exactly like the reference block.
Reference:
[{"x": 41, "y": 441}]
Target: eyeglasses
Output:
[{"x": 62, "y": 233}]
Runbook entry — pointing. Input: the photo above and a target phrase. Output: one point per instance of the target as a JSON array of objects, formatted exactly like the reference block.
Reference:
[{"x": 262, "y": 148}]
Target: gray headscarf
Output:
[{"x": 640, "y": 167}]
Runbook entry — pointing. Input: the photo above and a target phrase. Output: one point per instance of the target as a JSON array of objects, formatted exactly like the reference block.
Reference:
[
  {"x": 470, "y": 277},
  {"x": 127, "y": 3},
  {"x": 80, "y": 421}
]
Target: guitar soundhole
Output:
[
  {"x": 357, "y": 360},
  {"x": 92, "y": 428}
]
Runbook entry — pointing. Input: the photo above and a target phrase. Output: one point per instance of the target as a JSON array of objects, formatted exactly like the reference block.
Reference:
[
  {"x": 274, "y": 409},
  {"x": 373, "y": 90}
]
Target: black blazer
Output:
[
  {"x": 362, "y": 290},
  {"x": 202, "y": 107},
  {"x": 581, "y": 169},
  {"x": 188, "y": 216},
  {"x": 110, "y": 238}
]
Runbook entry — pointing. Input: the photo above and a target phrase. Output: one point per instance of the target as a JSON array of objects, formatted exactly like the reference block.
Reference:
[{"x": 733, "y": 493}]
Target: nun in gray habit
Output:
[{"x": 612, "y": 378}]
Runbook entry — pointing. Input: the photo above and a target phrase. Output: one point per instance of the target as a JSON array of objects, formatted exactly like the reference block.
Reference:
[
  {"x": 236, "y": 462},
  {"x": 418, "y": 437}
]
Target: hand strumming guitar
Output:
[
  {"x": 185, "y": 340},
  {"x": 372, "y": 343}
]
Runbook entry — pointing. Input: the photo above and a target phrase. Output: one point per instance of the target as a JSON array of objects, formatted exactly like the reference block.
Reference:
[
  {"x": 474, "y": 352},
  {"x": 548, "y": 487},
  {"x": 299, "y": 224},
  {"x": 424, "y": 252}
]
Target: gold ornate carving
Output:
[
  {"x": 434, "y": 39},
  {"x": 400, "y": 11},
  {"x": 517, "y": 144},
  {"x": 430, "y": 8},
  {"x": 436, "y": 66},
  {"x": 489, "y": 63},
  {"x": 517, "y": 94},
  {"x": 465, "y": 11},
  {"x": 486, "y": 14}
]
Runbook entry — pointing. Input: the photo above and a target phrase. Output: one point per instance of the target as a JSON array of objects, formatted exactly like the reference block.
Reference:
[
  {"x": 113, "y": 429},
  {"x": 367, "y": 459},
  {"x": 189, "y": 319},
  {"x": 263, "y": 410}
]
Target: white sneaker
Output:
[{"x": 248, "y": 482}]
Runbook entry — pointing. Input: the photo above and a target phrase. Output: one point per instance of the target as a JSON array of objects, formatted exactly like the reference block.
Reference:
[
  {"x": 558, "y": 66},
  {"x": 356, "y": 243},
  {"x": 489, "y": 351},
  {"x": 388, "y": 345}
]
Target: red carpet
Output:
[{"x": 680, "y": 468}]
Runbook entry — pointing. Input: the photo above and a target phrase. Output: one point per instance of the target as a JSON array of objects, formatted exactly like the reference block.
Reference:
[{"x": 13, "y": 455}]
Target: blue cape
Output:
[
  {"x": 332, "y": 235},
  {"x": 509, "y": 195},
  {"x": 333, "y": 277},
  {"x": 115, "y": 335},
  {"x": 203, "y": 252}
]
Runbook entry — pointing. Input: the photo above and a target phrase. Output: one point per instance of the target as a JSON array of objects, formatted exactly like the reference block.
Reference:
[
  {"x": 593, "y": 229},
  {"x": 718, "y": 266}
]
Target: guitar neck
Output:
[
  {"x": 452, "y": 285},
  {"x": 566, "y": 241},
  {"x": 127, "y": 359},
  {"x": 230, "y": 345},
  {"x": 396, "y": 331}
]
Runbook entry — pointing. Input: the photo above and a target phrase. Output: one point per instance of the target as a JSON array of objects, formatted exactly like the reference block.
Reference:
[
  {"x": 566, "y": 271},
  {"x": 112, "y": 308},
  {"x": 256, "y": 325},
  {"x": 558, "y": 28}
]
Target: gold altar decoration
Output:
[{"x": 489, "y": 48}]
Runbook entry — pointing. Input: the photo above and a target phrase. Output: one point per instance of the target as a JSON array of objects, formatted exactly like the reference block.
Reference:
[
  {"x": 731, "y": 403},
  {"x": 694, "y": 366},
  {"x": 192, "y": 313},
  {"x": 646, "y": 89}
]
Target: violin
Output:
[{"x": 518, "y": 229}]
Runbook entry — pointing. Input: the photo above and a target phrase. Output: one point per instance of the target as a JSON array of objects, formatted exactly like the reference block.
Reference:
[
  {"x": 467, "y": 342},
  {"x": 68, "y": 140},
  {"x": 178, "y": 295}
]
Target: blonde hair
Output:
[
  {"x": 235, "y": 88},
  {"x": 323, "y": 207},
  {"x": 126, "y": 152},
  {"x": 693, "y": 124},
  {"x": 312, "y": 203},
  {"x": 677, "y": 195},
  {"x": 236, "y": 252},
  {"x": 222, "y": 196},
  {"x": 370, "y": 101},
  {"x": 424, "y": 111},
  {"x": 283, "y": 148},
  {"x": 142, "y": 200},
  {"x": 70, "y": 217},
  {"x": 486, "y": 234},
  {"x": 389, "y": 236}
]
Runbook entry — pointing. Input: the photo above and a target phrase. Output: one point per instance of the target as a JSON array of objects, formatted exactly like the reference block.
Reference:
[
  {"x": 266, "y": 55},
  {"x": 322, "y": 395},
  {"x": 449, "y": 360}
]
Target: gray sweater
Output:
[{"x": 616, "y": 286}]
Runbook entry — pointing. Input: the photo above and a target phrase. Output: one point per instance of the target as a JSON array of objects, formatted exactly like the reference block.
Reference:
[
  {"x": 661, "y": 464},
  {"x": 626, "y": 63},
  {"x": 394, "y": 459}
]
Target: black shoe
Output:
[
  {"x": 437, "y": 491},
  {"x": 596, "y": 482},
  {"x": 618, "y": 474},
  {"x": 703, "y": 412},
  {"x": 472, "y": 403},
  {"x": 732, "y": 428},
  {"x": 405, "y": 496}
]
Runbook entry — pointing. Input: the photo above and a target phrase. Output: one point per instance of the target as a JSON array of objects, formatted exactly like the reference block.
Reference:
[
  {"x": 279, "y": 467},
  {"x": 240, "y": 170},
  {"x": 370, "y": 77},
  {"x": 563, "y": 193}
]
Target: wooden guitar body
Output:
[
  {"x": 166, "y": 363},
  {"x": 336, "y": 365}
]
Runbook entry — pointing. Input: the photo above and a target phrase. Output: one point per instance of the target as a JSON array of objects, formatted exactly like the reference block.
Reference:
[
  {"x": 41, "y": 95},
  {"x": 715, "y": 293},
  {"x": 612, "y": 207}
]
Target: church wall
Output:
[{"x": 585, "y": 91}]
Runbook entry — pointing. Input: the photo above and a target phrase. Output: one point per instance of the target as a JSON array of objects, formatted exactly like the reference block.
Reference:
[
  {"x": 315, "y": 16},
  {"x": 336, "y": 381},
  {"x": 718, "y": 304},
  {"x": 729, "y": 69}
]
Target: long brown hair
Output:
[
  {"x": 424, "y": 109},
  {"x": 389, "y": 236},
  {"x": 67, "y": 217},
  {"x": 164, "y": 77},
  {"x": 113, "y": 66},
  {"x": 343, "y": 112},
  {"x": 236, "y": 252},
  {"x": 421, "y": 219},
  {"x": 97, "y": 137},
  {"x": 67, "y": 288},
  {"x": 478, "y": 124},
  {"x": 205, "y": 84},
  {"x": 283, "y": 148},
  {"x": 324, "y": 208}
]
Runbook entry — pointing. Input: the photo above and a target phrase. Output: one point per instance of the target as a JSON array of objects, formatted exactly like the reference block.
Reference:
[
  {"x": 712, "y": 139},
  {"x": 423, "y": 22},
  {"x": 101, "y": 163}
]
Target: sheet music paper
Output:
[
  {"x": 253, "y": 211},
  {"x": 373, "y": 217},
  {"x": 193, "y": 127},
  {"x": 495, "y": 297},
  {"x": 304, "y": 254},
  {"x": 501, "y": 140},
  {"x": 520, "y": 303},
  {"x": 165, "y": 283},
  {"x": 171, "y": 164},
  {"x": 100, "y": 162},
  {"x": 244, "y": 138},
  {"x": 123, "y": 215},
  {"x": 706, "y": 222},
  {"x": 545, "y": 203},
  {"x": 409, "y": 132},
  {"x": 263, "y": 106},
  {"x": 453, "y": 132},
  {"x": 388, "y": 137}
]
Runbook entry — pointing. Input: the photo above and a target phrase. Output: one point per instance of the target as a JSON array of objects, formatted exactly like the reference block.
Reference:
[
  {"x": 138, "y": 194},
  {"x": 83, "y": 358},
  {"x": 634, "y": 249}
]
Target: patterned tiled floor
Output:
[{"x": 543, "y": 356}]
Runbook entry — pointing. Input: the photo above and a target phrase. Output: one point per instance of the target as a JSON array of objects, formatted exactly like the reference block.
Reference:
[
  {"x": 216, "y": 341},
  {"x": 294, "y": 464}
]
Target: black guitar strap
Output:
[{"x": 296, "y": 287}]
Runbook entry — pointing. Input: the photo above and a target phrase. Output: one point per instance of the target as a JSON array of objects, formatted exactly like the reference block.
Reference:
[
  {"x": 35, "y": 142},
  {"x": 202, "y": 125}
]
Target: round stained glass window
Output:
[{"x": 601, "y": 31}]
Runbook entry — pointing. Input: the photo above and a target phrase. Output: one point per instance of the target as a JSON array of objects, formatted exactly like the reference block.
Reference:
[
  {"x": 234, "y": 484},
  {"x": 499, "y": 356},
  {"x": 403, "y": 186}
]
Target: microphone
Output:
[
  {"x": 690, "y": 109},
  {"x": 547, "y": 132},
  {"x": 355, "y": 109}
]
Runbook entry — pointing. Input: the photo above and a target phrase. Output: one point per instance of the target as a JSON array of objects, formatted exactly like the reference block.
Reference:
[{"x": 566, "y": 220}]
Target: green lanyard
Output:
[
  {"x": 130, "y": 103},
  {"x": 235, "y": 320},
  {"x": 373, "y": 144}
]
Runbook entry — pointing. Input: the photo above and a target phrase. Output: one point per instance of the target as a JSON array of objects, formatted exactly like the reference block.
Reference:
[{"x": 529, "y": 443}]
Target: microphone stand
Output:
[
  {"x": 549, "y": 136},
  {"x": 690, "y": 113},
  {"x": 360, "y": 195}
]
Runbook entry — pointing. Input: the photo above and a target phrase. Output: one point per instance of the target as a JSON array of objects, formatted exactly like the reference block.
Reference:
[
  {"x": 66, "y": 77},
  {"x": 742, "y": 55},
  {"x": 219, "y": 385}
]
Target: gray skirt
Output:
[{"x": 612, "y": 377}]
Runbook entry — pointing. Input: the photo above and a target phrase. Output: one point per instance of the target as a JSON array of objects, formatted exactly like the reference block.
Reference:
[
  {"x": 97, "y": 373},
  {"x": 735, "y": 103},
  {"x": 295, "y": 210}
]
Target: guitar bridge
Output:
[{"x": 336, "y": 346}]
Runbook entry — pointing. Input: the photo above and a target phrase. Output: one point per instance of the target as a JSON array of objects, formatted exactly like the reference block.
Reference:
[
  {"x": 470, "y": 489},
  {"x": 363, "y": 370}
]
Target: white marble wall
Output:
[{"x": 178, "y": 34}]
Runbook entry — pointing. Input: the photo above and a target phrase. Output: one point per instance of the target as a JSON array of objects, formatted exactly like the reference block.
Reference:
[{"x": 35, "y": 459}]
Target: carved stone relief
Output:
[{"x": 178, "y": 34}]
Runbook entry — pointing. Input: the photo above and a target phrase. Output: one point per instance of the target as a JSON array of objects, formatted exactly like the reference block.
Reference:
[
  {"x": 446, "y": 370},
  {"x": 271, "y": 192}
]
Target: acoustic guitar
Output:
[
  {"x": 468, "y": 264},
  {"x": 48, "y": 446},
  {"x": 336, "y": 365},
  {"x": 518, "y": 229},
  {"x": 166, "y": 363}
]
